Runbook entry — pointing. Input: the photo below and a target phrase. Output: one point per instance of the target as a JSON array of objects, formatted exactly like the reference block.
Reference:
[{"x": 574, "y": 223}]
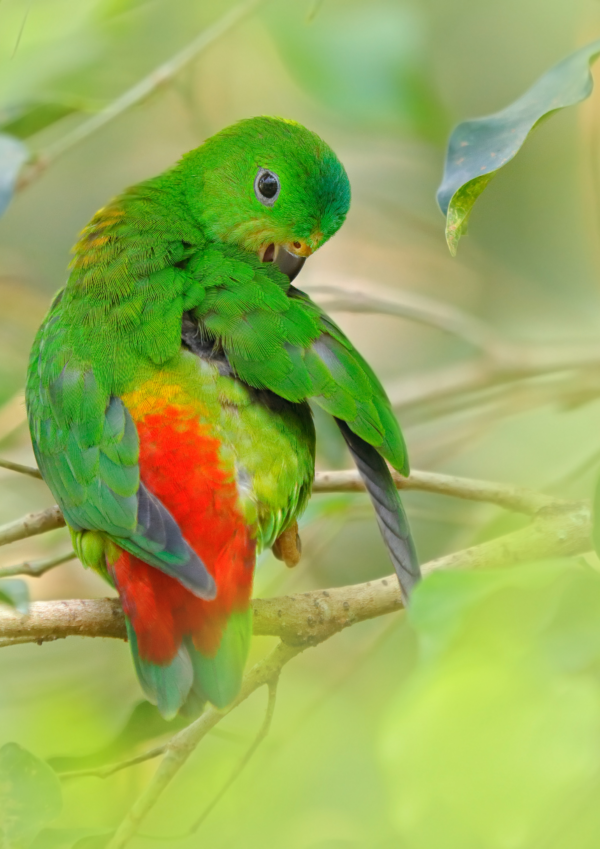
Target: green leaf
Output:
[
  {"x": 13, "y": 155},
  {"x": 30, "y": 796},
  {"x": 34, "y": 117},
  {"x": 480, "y": 147},
  {"x": 15, "y": 593}
]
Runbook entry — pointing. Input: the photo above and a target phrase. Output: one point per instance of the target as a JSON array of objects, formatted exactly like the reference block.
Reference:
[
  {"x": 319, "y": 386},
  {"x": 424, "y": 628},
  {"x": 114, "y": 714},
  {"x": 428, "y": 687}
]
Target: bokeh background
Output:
[{"x": 491, "y": 736}]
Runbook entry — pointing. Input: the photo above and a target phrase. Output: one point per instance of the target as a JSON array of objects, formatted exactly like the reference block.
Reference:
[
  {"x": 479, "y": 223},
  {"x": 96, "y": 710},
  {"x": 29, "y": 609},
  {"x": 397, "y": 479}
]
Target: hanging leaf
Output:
[
  {"x": 15, "y": 593},
  {"x": 480, "y": 147},
  {"x": 13, "y": 155},
  {"x": 30, "y": 796}
]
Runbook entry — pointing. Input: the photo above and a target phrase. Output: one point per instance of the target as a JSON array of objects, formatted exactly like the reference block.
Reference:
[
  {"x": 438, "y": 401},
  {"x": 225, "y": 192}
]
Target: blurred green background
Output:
[{"x": 489, "y": 733}]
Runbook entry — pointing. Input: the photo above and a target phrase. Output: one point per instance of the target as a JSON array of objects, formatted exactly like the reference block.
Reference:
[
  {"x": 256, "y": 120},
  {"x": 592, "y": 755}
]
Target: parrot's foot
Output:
[{"x": 288, "y": 547}]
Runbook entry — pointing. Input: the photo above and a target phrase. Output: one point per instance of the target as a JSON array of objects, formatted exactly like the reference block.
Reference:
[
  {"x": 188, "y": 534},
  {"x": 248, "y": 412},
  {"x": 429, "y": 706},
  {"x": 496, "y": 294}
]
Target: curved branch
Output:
[
  {"x": 304, "y": 619},
  {"x": 311, "y": 618},
  {"x": 262, "y": 733}
]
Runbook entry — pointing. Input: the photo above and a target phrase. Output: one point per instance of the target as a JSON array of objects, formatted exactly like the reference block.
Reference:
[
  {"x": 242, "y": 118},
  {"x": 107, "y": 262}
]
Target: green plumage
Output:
[
  {"x": 169, "y": 293},
  {"x": 276, "y": 338}
]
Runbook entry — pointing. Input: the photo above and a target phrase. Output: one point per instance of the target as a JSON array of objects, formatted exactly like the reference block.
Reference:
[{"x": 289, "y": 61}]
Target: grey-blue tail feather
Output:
[{"x": 391, "y": 517}]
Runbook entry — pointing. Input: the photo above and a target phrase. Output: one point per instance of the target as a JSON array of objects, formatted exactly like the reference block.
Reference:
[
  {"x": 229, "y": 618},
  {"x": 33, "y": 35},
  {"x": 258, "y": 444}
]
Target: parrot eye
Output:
[{"x": 266, "y": 187}]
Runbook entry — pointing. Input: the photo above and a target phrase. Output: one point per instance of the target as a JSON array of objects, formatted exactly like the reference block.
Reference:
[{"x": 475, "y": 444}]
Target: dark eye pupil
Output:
[{"x": 267, "y": 185}]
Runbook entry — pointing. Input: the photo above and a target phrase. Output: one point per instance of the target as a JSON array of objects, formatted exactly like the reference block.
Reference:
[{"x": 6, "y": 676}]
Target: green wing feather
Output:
[
  {"x": 87, "y": 448},
  {"x": 276, "y": 338}
]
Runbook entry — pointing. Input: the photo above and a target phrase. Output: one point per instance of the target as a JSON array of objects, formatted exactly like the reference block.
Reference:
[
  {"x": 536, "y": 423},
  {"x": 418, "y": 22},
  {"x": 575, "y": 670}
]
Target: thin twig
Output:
[
  {"x": 517, "y": 362},
  {"x": 139, "y": 92},
  {"x": 111, "y": 769},
  {"x": 262, "y": 733},
  {"x": 517, "y": 499},
  {"x": 22, "y": 29},
  {"x": 313, "y": 11},
  {"x": 36, "y": 568},
  {"x": 416, "y": 307},
  {"x": 181, "y": 746},
  {"x": 24, "y": 470}
]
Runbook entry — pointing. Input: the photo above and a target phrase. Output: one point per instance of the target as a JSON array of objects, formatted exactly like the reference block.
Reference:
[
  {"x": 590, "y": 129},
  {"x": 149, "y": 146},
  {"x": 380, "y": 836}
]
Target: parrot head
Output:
[{"x": 268, "y": 186}]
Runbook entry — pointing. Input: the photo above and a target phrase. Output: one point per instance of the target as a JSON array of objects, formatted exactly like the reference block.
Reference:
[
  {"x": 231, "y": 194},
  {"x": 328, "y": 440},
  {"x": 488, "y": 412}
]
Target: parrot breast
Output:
[
  {"x": 182, "y": 464},
  {"x": 233, "y": 469}
]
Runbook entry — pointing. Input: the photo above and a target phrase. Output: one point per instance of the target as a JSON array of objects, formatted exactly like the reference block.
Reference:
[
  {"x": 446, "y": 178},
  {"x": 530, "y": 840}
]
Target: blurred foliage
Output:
[
  {"x": 493, "y": 741},
  {"x": 475, "y": 722},
  {"x": 30, "y": 796},
  {"x": 332, "y": 56},
  {"x": 12, "y": 156},
  {"x": 15, "y": 593}
]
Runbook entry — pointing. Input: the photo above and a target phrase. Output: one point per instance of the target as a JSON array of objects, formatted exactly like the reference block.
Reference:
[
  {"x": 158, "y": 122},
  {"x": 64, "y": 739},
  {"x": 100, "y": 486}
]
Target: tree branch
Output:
[
  {"x": 558, "y": 530},
  {"x": 31, "y": 525},
  {"x": 111, "y": 769},
  {"x": 517, "y": 499},
  {"x": 311, "y": 618}
]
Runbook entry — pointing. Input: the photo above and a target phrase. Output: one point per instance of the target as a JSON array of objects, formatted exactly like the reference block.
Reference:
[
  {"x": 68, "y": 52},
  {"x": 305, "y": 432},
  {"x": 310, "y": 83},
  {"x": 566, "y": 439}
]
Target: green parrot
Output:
[{"x": 168, "y": 397}]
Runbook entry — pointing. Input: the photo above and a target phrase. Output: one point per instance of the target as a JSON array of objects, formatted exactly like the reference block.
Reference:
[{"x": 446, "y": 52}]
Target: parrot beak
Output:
[{"x": 289, "y": 263}]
